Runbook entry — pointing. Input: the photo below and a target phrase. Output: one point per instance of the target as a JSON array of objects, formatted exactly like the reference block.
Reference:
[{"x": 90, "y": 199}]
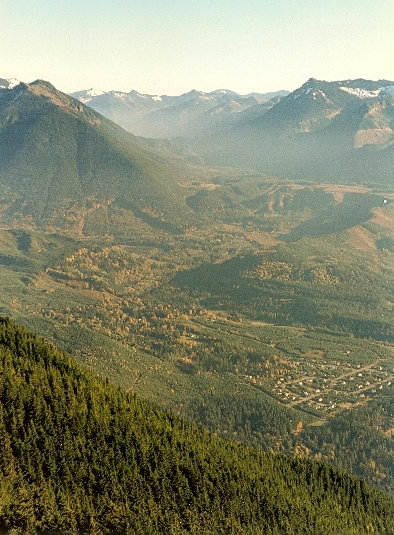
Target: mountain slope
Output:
[
  {"x": 55, "y": 150},
  {"x": 80, "y": 456}
]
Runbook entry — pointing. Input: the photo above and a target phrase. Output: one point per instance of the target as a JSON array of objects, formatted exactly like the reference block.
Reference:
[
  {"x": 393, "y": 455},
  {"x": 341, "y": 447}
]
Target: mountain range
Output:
[
  {"x": 189, "y": 114},
  {"x": 332, "y": 131},
  {"x": 329, "y": 131}
]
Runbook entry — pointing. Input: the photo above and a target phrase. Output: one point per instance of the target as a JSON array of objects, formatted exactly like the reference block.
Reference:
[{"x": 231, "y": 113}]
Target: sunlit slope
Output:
[
  {"x": 325, "y": 257},
  {"x": 79, "y": 455}
]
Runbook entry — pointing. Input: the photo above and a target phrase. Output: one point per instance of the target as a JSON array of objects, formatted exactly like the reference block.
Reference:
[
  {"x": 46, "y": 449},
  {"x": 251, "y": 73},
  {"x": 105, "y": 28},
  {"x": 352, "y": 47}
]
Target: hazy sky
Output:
[{"x": 173, "y": 46}]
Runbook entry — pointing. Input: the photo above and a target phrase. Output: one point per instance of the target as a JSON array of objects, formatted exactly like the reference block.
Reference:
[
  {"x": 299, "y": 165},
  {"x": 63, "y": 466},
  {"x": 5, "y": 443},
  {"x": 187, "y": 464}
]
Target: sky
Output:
[{"x": 173, "y": 46}]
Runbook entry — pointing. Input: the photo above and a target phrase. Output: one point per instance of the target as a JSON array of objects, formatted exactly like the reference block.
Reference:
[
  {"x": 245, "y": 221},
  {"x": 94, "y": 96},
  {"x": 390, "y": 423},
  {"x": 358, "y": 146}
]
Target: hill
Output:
[
  {"x": 80, "y": 456},
  {"x": 59, "y": 155}
]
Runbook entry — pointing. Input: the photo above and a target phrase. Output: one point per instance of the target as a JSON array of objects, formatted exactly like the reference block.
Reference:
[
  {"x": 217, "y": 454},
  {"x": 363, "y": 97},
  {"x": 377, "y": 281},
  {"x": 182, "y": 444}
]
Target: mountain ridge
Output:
[
  {"x": 322, "y": 130},
  {"x": 171, "y": 116}
]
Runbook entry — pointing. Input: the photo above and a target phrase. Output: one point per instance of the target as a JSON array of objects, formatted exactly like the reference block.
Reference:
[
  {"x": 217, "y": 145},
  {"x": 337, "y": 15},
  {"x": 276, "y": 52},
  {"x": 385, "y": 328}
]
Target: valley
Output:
[
  {"x": 256, "y": 305},
  {"x": 255, "y": 321},
  {"x": 196, "y": 268}
]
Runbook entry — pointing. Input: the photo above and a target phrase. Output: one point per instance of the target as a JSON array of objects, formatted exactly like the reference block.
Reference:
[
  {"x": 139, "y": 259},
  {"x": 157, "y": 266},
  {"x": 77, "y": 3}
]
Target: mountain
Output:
[
  {"x": 80, "y": 456},
  {"x": 316, "y": 103},
  {"x": 165, "y": 116},
  {"x": 323, "y": 130},
  {"x": 8, "y": 83},
  {"x": 57, "y": 152}
]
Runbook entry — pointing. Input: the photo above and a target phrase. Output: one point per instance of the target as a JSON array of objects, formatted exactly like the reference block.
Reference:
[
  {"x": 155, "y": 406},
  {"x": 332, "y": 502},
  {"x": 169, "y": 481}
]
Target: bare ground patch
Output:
[
  {"x": 362, "y": 239},
  {"x": 263, "y": 238},
  {"x": 315, "y": 353},
  {"x": 338, "y": 191},
  {"x": 383, "y": 218}
]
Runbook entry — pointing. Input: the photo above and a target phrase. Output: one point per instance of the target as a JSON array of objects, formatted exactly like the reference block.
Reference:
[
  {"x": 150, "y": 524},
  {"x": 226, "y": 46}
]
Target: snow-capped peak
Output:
[
  {"x": 86, "y": 96},
  {"x": 11, "y": 83},
  {"x": 95, "y": 92},
  {"x": 119, "y": 94}
]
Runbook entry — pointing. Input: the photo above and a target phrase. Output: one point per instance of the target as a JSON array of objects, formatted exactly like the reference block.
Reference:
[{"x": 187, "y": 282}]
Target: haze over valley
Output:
[{"x": 226, "y": 260}]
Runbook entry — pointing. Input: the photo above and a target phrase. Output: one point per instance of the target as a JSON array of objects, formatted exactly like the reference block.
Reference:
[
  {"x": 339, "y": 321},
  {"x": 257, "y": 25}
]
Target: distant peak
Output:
[
  {"x": 95, "y": 92},
  {"x": 224, "y": 92},
  {"x": 43, "y": 83},
  {"x": 10, "y": 83},
  {"x": 192, "y": 93},
  {"x": 312, "y": 82},
  {"x": 13, "y": 82}
]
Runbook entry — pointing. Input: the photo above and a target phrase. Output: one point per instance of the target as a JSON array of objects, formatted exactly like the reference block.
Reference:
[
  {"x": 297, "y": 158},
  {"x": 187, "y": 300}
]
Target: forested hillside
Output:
[
  {"x": 80, "y": 456},
  {"x": 58, "y": 155}
]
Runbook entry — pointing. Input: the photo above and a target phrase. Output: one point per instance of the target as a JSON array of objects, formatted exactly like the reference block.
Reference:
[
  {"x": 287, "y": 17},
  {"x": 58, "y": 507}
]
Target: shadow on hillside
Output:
[{"x": 356, "y": 208}]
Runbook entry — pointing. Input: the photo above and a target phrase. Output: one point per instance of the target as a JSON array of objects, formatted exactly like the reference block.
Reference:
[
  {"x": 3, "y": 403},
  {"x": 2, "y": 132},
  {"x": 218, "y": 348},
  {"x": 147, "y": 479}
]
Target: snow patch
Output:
[
  {"x": 157, "y": 98},
  {"x": 13, "y": 82},
  {"x": 95, "y": 92},
  {"x": 89, "y": 94},
  {"x": 324, "y": 96},
  {"x": 121, "y": 96},
  {"x": 361, "y": 93},
  {"x": 315, "y": 94}
]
